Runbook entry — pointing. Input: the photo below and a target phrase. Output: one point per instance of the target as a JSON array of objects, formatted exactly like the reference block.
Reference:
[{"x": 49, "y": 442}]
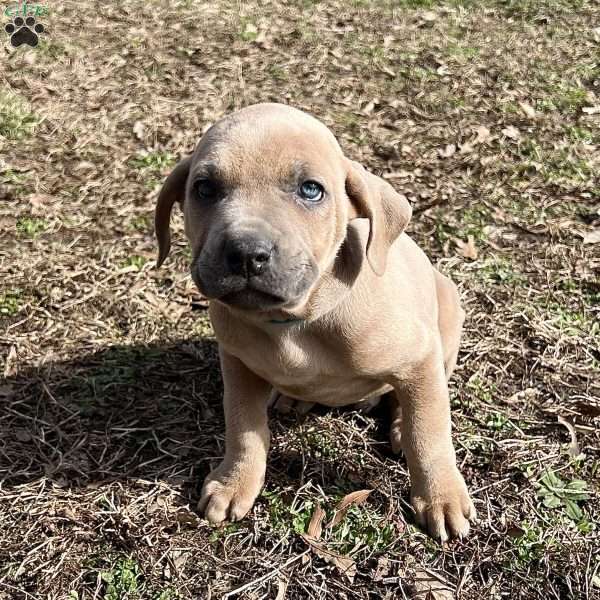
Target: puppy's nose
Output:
[{"x": 248, "y": 257}]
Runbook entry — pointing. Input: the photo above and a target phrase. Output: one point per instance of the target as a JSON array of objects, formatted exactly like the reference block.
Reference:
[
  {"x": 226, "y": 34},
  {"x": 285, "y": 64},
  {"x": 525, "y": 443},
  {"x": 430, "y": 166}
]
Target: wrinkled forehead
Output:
[{"x": 267, "y": 150}]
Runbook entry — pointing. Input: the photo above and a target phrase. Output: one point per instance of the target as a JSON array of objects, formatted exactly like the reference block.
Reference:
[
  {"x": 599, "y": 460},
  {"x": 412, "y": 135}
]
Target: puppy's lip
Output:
[{"x": 250, "y": 297}]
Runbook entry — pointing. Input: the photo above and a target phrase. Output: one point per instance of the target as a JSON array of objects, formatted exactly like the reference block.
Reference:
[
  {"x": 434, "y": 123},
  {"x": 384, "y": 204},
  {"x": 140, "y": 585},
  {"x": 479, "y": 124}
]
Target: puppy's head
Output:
[{"x": 267, "y": 197}]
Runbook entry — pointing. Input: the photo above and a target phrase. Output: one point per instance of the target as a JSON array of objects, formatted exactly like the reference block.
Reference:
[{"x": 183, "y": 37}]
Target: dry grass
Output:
[{"x": 110, "y": 407}]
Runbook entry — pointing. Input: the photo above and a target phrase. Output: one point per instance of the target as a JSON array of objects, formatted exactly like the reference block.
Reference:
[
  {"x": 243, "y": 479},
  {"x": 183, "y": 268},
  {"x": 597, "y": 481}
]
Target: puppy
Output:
[{"x": 315, "y": 293}]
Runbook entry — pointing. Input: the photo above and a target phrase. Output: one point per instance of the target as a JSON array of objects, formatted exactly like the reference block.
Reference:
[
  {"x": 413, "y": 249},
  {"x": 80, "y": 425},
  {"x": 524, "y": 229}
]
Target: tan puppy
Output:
[{"x": 317, "y": 293}]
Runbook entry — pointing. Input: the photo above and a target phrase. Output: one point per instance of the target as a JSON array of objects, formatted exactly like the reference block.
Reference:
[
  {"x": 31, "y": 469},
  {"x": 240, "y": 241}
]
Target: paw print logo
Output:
[{"x": 24, "y": 31}]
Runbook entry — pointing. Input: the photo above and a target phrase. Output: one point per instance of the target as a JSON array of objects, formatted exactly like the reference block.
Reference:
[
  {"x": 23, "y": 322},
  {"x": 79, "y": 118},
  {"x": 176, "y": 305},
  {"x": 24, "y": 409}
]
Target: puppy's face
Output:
[
  {"x": 267, "y": 197},
  {"x": 265, "y": 209}
]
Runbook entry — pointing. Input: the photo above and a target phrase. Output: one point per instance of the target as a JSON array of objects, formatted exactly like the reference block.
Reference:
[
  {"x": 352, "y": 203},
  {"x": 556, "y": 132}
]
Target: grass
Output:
[
  {"x": 31, "y": 227},
  {"x": 111, "y": 392},
  {"x": 17, "y": 121}
]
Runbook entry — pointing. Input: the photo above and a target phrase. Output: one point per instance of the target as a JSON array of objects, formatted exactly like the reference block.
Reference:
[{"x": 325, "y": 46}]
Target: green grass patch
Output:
[
  {"x": 483, "y": 389},
  {"x": 10, "y": 302},
  {"x": 499, "y": 270},
  {"x": 362, "y": 529},
  {"x": 122, "y": 580},
  {"x": 17, "y": 120},
  {"x": 285, "y": 516},
  {"x": 140, "y": 223},
  {"x": 31, "y": 227},
  {"x": 135, "y": 261},
  {"x": 152, "y": 161}
]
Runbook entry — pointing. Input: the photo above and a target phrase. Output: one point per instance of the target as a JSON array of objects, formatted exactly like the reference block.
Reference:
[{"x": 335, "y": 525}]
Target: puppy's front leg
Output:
[
  {"x": 231, "y": 489},
  {"x": 438, "y": 491}
]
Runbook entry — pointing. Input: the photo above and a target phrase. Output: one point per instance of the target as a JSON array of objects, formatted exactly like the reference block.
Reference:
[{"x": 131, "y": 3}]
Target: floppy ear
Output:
[
  {"x": 173, "y": 190},
  {"x": 388, "y": 211}
]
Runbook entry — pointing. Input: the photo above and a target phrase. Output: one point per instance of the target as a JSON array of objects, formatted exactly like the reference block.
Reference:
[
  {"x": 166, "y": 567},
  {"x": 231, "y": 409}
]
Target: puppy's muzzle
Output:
[{"x": 251, "y": 270}]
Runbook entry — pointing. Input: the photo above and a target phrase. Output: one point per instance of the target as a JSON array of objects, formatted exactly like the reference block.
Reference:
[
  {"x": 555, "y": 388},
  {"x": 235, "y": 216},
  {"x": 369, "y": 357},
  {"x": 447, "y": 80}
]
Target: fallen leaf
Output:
[
  {"x": 352, "y": 499},
  {"x": 511, "y": 132},
  {"x": 315, "y": 527},
  {"x": 344, "y": 564},
  {"x": 528, "y": 110},
  {"x": 427, "y": 585},
  {"x": 383, "y": 568},
  {"x": 483, "y": 135},
  {"x": 139, "y": 130},
  {"x": 468, "y": 248},
  {"x": 574, "y": 450},
  {"x": 591, "y": 110},
  {"x": 40, "y": 203},
  {"x": 592, "y": 237},
  {"x": 282, "y": 585},
  {"x": 448, "y": 151}
]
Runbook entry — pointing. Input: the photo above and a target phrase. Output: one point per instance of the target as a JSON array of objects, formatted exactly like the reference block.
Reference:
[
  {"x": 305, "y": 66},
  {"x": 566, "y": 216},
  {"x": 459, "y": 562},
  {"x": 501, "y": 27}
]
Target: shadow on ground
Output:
[{"x": 124, "y": 412}]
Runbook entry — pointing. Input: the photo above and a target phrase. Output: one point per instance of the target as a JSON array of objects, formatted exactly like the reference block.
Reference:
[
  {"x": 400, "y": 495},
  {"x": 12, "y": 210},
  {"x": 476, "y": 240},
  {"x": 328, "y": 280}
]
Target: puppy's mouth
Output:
[
  {"x": 250, "y": 297},
  {"x": 241, "y": 293}
]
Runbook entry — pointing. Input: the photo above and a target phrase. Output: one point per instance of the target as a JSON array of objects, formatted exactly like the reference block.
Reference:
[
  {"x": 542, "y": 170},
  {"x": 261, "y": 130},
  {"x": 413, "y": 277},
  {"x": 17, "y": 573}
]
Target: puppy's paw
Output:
[
  {"x": 228, "y": 495},
  {"x": 443, "y": 506}
]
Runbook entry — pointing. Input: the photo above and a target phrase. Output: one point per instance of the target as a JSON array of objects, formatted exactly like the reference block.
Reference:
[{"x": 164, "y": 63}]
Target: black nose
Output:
[{"x": 248, "y": 257}]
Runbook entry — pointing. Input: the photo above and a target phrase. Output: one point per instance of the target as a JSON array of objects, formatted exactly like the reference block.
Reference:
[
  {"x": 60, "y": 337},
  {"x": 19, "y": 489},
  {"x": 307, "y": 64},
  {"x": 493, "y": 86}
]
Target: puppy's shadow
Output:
[{"x": 148, "y": 412}]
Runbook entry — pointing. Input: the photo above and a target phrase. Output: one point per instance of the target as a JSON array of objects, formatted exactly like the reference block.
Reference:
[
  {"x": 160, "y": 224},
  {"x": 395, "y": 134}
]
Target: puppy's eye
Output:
[
  {"x": 206, "y": 189},
  {"x": 311, "y": 191}
]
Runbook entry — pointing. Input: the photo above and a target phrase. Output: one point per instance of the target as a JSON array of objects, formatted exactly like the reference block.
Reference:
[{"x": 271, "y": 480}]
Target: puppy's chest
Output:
[{"x": 295, "y": 359}]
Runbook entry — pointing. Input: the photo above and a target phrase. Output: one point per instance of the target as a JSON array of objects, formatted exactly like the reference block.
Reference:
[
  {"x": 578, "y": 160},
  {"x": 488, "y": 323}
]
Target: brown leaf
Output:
[
  {"x": 41, "y": 204},
  {"x": 315, "y": 527},
  {"x": 344, "y": 564},
  {"x": 352, "y": 499},
  {"x": 427, "y": 585},
  {"x": 468, "y": 248},
  {"x": 528, "y": 110},
  {"x": 574, "y": 450}
]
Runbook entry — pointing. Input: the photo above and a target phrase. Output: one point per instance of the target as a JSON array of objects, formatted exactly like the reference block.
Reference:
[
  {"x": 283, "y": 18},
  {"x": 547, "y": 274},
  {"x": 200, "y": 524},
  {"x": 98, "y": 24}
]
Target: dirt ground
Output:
[{"x": 485, "y": 114}]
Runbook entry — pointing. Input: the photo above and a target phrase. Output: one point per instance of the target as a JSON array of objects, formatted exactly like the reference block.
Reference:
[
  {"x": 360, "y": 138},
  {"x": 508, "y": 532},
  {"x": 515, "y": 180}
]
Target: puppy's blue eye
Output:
[
  {"x": 311, "y": 191},
  {"x": 206, "y": 189}
]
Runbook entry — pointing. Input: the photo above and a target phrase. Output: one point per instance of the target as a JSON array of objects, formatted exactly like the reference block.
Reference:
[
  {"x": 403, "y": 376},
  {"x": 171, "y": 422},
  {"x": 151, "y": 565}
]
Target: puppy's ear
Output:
[
  {"x": 173, "y": 190},
  {"x": 388, "y": 212}
]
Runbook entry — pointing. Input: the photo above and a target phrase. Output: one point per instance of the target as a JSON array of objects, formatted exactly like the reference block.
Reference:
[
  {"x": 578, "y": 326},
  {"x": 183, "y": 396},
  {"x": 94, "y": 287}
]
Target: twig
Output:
[{"x": 265, "y": 577}]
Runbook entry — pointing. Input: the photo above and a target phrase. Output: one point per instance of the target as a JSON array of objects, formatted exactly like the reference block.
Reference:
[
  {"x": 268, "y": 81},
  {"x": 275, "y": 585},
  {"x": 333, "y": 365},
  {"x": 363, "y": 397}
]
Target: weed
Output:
[
  {"x": 152, "y": 161},
  {"x": 16, "y": 119},
  {"x": 140, "y": 223},
  {"x": 556, "y": 493},
  {"x": 30, "y": 227},
  {"x": 9, "y": 302},
  {"x": 122, "y": 580},
  {"x": 499, "y": 270},
  {"x": 284, "y": 517},
  {"x": 497, "y": 421},
  {"x": 135, "y": 261},
  {"x": 363, "y": 527},
  {"x": 530, "y": 544}
]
